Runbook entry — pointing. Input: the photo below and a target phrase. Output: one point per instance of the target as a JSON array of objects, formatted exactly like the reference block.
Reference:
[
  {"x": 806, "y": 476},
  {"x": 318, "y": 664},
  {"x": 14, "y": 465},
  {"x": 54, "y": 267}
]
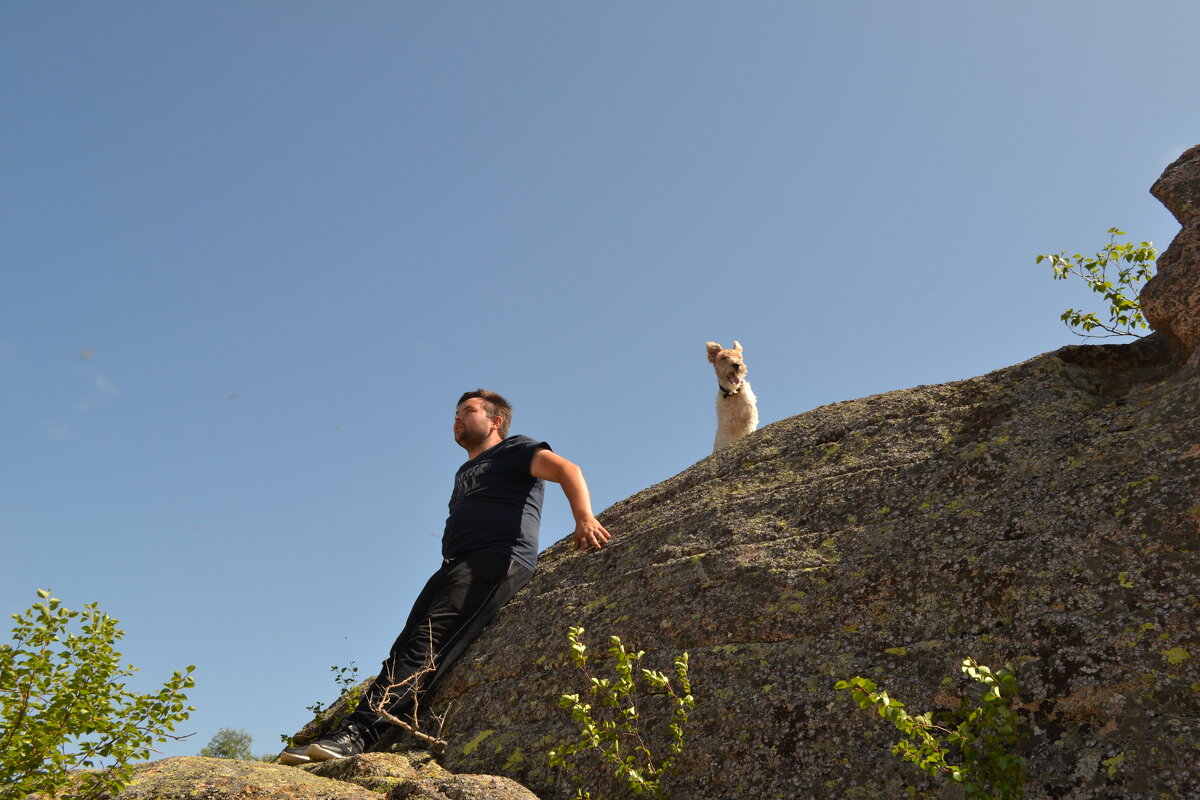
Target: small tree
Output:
[
  {"x": 326, "y": 718},
  {"x": 1134, "y": 265},
  {"x": 612, "y": 724},
  {"x": 986, "y": 739},
  {"x": 229, "y": 743},
  {"x": 64, "y": 705}
]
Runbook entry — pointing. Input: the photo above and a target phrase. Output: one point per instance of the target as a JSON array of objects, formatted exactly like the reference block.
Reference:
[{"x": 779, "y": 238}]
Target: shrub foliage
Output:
[
  {"x": 65, "y": 707},
  {"x": 612, "y": 720},
  {"x": 986, "y": 739},
  {"x": 1133, "y": 264}
]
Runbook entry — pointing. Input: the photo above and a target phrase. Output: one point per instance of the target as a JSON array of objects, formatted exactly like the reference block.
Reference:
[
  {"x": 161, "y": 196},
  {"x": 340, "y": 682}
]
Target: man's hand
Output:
[{"x": 590, "y": 535}]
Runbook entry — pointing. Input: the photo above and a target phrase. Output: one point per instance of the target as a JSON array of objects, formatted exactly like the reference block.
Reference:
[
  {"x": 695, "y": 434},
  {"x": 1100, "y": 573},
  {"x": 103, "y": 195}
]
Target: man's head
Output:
[{"x": 479, "y": 413}]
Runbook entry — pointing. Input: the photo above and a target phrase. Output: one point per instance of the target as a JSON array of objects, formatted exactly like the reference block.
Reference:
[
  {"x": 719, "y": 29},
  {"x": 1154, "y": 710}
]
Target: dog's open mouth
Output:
[{"x": 734, "y": 378}]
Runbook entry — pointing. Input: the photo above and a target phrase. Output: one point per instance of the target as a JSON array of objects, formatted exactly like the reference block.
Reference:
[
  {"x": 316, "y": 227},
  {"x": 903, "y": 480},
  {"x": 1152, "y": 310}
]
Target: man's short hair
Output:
[{"x": 495, "y": 406}]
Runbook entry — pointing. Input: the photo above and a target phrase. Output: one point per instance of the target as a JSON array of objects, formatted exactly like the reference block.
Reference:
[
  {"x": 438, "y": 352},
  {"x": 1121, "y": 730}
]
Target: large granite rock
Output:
[{"x": 1046, "y": 514}]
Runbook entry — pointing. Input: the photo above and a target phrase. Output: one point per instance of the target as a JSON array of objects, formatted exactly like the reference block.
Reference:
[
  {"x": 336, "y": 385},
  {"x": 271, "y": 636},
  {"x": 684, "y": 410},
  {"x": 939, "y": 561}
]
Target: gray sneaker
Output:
[
  {"x": 294, "y": 756},
  {"x": 345, "y": 741}
]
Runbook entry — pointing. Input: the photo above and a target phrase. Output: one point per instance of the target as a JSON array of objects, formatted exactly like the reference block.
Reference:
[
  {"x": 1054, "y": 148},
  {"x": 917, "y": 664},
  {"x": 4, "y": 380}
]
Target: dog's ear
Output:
[
  {"x": 736, "y": 346},
  {"x": 713, "y": 349}
]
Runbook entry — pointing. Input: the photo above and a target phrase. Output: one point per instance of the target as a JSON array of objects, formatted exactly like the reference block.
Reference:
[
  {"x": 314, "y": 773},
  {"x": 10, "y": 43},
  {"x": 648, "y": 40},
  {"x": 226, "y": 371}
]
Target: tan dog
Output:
[{"x": 737, "y": 409}]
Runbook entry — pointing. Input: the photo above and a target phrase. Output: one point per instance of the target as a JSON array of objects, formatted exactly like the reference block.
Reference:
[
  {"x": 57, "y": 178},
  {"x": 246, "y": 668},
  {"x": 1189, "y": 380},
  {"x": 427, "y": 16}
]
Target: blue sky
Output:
[{"x": 253, "y": 252}]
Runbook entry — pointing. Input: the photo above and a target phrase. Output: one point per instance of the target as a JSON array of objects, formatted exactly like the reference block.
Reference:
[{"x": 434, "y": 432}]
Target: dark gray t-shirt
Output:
[{"x": 496, "y": 505}]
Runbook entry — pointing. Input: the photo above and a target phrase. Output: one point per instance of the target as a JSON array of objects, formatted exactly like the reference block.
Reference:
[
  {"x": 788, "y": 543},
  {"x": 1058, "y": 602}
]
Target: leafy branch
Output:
[
  {"x": 1134, "y": 264},
  {"x": 986, "y": 739},
  {"x": 65, "y": 708},
  {"x": 349, "y": 690},
  {"x": 611, "y": 724},
  {"x": 327, "y": 717}
]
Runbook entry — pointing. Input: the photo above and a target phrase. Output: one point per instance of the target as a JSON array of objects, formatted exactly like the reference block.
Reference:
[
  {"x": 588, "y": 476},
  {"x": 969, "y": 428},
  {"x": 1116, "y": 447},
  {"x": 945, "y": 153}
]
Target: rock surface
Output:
[
  {"x": 414, "y": 775},
  {"x": 411, "y": 775},
  {"x": 224, "y": 779},
  {"x": 1171, "y": 299},
  {"x": 1046, "y": 514}
]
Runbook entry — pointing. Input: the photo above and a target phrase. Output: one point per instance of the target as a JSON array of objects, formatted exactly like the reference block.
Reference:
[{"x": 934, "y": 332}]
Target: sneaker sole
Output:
[
  {"x": 318, "y": 753},
  {"x": 293, "y": 759}
]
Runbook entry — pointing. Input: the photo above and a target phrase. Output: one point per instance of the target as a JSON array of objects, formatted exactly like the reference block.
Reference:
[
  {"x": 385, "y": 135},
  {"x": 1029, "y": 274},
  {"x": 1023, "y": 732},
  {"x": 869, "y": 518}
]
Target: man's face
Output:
[{"x": 472, "y": 425}]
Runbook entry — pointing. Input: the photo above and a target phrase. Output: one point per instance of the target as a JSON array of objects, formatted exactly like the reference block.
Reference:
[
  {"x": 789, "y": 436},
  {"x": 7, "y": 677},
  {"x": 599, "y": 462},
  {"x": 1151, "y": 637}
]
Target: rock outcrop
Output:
[
  {"x": 407, "y": 775},
  {"x": 1171, "y": 299},
  {"x": 1046, "y": 514},
  {"x": 225, "y": 779}
]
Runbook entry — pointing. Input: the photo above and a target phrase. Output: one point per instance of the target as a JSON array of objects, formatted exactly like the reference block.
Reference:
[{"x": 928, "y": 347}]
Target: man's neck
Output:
[{"x": 486, "y": 444}]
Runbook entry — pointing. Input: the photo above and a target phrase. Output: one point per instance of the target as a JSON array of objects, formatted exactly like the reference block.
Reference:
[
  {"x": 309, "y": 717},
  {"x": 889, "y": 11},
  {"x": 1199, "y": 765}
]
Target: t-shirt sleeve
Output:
[{"x": 529, "y": 449}]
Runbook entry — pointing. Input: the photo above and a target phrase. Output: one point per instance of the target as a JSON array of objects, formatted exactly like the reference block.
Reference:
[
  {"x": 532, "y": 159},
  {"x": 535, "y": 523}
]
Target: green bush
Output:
[
  {"x": 1134, "y": 265},
  {"x": 612, "y": 725},
  {"x": 987, "y": 737},
  {"x": 65, "y": 707},
  {"x": 229, "y": 743}
]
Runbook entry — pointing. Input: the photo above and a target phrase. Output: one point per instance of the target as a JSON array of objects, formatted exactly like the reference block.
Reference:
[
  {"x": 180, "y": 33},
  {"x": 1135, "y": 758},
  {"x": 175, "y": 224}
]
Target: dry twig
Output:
[{"x": 412, "y": 684}]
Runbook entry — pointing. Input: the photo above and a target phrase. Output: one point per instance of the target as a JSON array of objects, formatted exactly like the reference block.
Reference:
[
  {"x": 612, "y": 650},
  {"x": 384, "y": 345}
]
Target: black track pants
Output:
[{"x": 458, "y": 601}]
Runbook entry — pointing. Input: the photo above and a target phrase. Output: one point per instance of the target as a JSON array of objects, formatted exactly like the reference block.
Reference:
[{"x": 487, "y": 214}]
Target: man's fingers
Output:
[
  {"x": 591, "y": 539},
  {"x": 590, "y": 535}
]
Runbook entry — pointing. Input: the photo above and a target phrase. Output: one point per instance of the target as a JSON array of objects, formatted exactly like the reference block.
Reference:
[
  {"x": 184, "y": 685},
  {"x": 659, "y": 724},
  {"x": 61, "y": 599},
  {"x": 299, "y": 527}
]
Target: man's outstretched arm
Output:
[{"x": 550, "y": 466}]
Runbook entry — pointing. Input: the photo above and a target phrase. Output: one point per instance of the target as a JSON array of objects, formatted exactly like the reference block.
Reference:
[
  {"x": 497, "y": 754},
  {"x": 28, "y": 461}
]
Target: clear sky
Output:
[{"x": 252, "y": 252}]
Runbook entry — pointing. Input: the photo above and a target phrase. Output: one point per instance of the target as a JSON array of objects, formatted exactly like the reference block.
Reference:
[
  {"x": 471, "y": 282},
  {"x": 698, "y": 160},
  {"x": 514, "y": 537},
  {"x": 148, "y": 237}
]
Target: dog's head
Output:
[{"x": 731, "y": 369}]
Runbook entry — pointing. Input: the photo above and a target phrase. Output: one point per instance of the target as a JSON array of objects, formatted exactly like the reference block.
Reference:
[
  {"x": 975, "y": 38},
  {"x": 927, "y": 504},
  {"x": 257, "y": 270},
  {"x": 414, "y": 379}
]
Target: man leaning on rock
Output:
[{"x": 489, "y": 551}]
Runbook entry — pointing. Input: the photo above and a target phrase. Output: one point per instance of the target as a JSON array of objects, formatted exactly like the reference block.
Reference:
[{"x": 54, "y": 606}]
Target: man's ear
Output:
[{"x": 713, "y": 348}]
